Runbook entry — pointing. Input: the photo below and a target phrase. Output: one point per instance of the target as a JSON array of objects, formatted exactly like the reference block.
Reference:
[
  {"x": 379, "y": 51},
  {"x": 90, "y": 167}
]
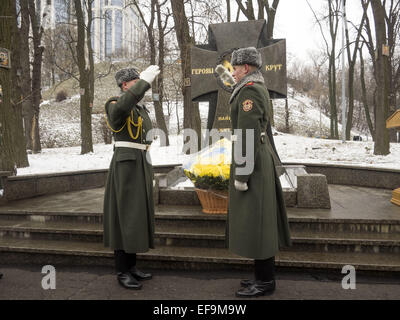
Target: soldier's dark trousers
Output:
[
  {"x": 124, "y": 261},
  {"x": 264, "y": 270}
]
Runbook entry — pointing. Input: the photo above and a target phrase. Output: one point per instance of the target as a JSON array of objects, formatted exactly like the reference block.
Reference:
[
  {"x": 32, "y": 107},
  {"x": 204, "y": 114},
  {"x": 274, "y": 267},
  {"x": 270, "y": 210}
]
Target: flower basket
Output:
[
  {"x": 209, "y": 170},
  {"x": 213, "y": 201}
]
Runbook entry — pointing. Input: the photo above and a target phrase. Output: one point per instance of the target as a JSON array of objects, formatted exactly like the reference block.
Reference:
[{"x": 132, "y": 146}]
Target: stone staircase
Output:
[{"x": 186, "y": 238}]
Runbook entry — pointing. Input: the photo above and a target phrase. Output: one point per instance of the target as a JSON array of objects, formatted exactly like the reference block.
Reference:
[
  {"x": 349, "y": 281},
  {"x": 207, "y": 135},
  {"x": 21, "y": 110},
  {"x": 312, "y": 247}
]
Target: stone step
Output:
[
  {"x": 188, "y": 197},
  {"x": 190, "y": 216},
  {"x": 200, "y": 237},
  {"x": 15, "y": 251},
  {"x": 82, "y": 217}
]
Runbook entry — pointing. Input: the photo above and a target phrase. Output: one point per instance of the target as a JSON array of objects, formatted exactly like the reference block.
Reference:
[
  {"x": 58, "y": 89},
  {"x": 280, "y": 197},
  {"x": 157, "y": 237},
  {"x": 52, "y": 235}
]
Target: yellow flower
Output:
[{"x": 225, "y": 171}]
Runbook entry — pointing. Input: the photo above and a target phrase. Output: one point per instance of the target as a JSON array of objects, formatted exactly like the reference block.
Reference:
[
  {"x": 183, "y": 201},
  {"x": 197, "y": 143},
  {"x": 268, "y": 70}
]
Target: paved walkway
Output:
[
  {"x": 348, "y": 202},
  {"x": 24, "y": 282},
  {"x": 100, "y": 284}
]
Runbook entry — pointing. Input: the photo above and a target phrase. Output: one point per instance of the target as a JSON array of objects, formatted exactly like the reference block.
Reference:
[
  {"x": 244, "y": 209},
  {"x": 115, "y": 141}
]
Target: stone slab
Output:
[
  {"x": 356, "y": 175},
  {"x": 312, "y": 191}
]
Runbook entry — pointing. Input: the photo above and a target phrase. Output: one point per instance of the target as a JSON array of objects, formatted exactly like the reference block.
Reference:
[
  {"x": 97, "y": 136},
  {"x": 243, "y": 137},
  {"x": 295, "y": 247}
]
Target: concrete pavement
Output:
[{"x": 99, "y": 283}]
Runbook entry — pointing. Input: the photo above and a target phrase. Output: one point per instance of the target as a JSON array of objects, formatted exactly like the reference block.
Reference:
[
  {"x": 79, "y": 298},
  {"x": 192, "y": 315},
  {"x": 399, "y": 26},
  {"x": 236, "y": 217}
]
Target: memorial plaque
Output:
[
  {"x": 223, "y": 39},
  {"x": 5, "y": 58}
]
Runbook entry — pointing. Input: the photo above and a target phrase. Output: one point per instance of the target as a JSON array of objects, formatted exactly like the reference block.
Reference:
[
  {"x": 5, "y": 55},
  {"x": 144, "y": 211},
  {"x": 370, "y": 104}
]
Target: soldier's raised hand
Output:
[{"x": 150, "y": 73}]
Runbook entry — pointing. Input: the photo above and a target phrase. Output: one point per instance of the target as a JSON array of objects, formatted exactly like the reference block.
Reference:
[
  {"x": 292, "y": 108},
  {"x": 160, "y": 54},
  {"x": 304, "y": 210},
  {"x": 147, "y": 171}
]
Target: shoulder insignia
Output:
[
  {"x": 249, "y": 84},
  {"x": 247, "y": 105}
]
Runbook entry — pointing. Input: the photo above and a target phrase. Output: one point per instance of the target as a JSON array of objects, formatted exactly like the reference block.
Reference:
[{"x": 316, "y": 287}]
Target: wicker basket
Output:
[{"x": 213, "y": 201}]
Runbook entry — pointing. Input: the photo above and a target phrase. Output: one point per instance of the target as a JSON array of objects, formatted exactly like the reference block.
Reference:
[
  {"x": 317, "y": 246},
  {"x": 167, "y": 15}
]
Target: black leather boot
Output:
[
  {"x": 128, "y": 281},
  {"x": 246, "y": 283},
  {"x": 258, "y": 288},
  {"x": 139, "y": 275}
]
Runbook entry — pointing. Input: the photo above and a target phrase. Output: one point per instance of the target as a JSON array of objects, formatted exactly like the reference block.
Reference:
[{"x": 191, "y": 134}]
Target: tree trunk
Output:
[
  {"x": 248, "y": 11},
  {"x": 333, "y": 25},
  {"x": 86, "y": 116},
  {"x": 352, "y": 62},
  {"x": 332, "y": 97},
  {"x": 184, "y": 42},
  {"x": 228, "y": 10},
  {"x": 271, "y": 12},
  {"x": 37, "y": 32},
  {"x": 12, "y": 151},
  {"x": 381, "y": 146},
  {"x": 364, "y": 97},
  {"x": 158, "y": 105},
  {"x": 90, "y": 53},
  {"x": 287, "y": 125},
  {"x": 16, "y": 75},
  {"x": 27, "y": 105}
]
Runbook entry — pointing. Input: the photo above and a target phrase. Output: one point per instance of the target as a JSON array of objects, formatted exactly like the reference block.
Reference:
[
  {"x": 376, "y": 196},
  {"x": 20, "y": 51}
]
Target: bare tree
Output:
[
  {"x": 351, "y": 58},
  {"x": 381, "y": 146},
  {"x": 26, "y": 81},
  {"x": 364, "y": 96},
  {"x": 185, "y": 41},
  {"x": 37, "y": 31},
  {"x": 333, "y": 22},
  {"x": 85, "y": 75},
  {"x": 381, "y": 55},
  {"x": 157, "y": 86},
  {"x": 270, "y": 9},
  {"x": 12, "y": 151},
  {"x": 31, "y": 70}
]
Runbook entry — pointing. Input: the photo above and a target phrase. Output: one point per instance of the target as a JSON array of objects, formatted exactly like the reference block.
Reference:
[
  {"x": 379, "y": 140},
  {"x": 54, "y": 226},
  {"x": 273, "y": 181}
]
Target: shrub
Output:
[{"x": 61, "y": 96}]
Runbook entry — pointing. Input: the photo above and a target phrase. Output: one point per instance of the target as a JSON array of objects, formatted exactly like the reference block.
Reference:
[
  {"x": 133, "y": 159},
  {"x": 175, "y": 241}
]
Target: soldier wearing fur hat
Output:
[
  {"x": 128, "y": 199},
  {"x": 257, "y": 220}
]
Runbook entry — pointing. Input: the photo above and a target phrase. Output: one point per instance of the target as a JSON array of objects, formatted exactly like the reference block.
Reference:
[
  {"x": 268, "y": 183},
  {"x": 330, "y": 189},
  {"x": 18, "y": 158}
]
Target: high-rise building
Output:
[{"x": 117, "y": 30}]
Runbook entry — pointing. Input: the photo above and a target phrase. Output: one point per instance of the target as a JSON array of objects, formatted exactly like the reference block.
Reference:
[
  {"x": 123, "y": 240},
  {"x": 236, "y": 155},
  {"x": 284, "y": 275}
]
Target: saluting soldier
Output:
[
  {"x": 128, "y": 198},
  {"x": 257, "y": 220}
]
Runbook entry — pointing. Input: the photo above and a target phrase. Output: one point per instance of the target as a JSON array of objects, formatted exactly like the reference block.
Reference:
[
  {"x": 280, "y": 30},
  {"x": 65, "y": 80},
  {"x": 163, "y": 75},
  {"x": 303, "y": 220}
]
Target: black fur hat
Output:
[
  {"x": 248, "y": 55},
  {"x": 125, "y": 75}
]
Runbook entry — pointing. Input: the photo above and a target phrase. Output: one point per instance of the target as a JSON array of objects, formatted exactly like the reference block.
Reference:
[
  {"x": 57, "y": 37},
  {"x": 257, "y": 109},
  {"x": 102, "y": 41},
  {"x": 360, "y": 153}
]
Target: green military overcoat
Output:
[
  {"x": 257, "y": 221},
  {"x": 128, "y": 199}
]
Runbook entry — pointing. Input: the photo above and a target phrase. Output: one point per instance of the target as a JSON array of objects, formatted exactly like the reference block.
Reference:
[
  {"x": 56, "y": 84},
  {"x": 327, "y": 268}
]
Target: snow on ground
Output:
[
  {"x": 60, "y": 127},
  {"x": 291, "y": 148}
]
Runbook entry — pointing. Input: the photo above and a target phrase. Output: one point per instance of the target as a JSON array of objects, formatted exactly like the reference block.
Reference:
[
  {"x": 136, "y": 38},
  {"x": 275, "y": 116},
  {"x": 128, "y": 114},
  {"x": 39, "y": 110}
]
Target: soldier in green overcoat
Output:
[
  {"x": 128, "y": 199},
  {"x": 257, "y": 220}
]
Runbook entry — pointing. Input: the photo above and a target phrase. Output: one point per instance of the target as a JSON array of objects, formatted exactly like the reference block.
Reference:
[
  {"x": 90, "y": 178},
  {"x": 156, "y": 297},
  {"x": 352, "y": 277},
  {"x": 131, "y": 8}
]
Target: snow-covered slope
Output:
[
  {"x": 60, "y": 121},
  {"x": 291, "y": 148}
]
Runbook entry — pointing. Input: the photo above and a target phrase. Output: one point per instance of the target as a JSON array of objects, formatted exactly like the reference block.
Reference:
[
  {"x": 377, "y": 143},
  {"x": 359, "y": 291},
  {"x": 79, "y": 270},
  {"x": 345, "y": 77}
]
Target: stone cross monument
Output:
[{"x": 223, "y": 38}]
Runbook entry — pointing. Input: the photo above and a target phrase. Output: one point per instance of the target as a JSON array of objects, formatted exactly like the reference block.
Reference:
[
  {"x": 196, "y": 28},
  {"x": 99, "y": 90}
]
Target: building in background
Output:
[{"x": 117, "y": 31}]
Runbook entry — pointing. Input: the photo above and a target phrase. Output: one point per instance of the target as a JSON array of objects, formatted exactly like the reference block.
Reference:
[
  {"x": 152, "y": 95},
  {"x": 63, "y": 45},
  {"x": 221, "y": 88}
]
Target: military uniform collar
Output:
[{"x": 255, "y": 76}]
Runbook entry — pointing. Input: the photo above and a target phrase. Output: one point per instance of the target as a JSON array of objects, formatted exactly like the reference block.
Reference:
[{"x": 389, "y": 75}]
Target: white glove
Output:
[
  {"x": 150, "y": 74},
  {"x": 241, "y": 186},
  {"x": 224, "y": 74}
]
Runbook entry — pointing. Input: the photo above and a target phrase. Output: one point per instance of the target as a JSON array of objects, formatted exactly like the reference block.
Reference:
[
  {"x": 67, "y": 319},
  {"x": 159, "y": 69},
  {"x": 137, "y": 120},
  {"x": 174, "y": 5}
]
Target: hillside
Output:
[{"x": 60, "y": 121}]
